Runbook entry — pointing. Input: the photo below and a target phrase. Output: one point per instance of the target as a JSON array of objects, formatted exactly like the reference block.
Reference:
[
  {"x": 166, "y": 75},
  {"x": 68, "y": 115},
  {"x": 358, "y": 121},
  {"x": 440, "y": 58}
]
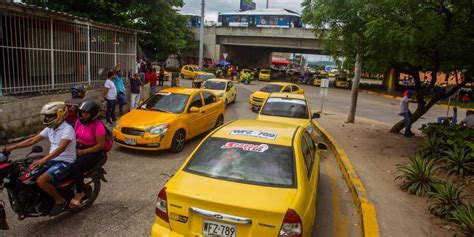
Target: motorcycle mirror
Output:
[{"x": 36, "y": 149}]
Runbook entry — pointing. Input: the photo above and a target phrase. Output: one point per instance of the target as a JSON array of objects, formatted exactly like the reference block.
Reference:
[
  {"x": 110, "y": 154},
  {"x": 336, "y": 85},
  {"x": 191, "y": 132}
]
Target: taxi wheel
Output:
[
  {"x": 226, "y": 104},
  {"x": 235, "y": 98},
  {"x": 177, "y": 144},
  {"x": 220, "y": 121}
]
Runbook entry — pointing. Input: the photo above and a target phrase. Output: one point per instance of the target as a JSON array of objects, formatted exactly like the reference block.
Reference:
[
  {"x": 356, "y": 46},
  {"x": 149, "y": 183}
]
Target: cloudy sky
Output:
[{"x": 215, "y": 6}]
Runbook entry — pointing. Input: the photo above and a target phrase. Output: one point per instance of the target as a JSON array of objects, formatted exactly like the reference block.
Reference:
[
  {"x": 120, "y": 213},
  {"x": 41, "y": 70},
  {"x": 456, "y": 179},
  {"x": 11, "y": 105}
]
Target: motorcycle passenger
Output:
[
  {"x": 78, "y": 92},
  {"x": 91, "y": 139},
  {"x": 61, "y": 155}
]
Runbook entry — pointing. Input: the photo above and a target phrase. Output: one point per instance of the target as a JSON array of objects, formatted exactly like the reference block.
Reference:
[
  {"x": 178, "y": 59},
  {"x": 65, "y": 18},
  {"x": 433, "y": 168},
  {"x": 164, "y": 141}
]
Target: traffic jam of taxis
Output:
[{"x": 245, "y": 177}]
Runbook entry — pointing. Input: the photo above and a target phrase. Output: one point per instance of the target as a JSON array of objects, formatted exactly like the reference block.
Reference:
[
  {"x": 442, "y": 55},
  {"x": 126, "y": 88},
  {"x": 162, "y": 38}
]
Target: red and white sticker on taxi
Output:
[
  {"x": 254, "y": 133},
  {"x": 246, "y": 146}
]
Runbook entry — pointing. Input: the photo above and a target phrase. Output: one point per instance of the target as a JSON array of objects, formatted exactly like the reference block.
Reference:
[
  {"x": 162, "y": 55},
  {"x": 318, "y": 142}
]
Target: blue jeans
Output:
[
  {"x": 408, "y": 122},
  {"x": 57, "y": 170},
  {"x": 110, "y": 114}
]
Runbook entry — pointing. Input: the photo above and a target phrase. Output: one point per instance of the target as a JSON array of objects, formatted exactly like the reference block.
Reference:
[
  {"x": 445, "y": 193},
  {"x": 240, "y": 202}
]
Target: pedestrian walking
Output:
[
  {"x": 161, "y": 78},
  {"x": 120, "y": 86},
  {"x": 152, "y": 77},
  {"x": 135, "y": 89},
  {"x": 406, "y": 113},
  {"x": 110, "y": 95}
]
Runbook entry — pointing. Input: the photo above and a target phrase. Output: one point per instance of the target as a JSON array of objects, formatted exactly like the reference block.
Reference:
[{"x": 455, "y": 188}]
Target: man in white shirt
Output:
[
  {"x": 110, "y": 95},
  {"x": 61, "y": 155}
]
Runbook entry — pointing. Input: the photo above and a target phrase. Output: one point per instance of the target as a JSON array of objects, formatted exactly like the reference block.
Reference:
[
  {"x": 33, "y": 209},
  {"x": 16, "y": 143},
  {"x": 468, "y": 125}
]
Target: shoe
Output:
[
  {"x": 408, "y": 135},
  {"x": 57, "y": 208}
]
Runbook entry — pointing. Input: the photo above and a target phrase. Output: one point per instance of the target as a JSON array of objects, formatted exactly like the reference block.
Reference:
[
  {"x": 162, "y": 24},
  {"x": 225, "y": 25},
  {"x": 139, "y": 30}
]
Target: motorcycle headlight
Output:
[{"x": 158, "y": 130}]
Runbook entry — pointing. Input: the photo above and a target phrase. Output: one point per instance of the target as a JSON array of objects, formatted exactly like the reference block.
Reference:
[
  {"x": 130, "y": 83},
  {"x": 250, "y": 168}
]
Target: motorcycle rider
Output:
[
  {"x": 91, "y": 140},
  {"x": 78, "y": 92},
  {"x": 61, "y": 155}
]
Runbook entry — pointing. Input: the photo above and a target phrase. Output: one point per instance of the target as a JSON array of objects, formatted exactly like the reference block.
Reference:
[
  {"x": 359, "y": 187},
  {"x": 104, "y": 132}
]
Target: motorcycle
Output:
[{"x": 27, "y": 199}]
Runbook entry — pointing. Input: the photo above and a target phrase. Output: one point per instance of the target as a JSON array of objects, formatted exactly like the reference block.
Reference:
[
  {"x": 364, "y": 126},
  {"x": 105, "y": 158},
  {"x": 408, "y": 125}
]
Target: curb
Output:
[{"x": 367, "y": 214}]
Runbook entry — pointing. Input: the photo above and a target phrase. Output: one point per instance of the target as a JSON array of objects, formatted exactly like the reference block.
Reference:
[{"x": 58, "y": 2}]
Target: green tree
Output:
[
  {"x": 410, "y": 36},
  {"x": 342, "y": 25},
  {"x": 167, "y": 29}
]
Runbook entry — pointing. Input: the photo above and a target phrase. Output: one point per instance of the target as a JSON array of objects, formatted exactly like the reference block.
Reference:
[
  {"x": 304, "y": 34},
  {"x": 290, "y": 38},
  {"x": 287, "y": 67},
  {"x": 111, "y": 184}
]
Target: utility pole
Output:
[
  {"x": 267, "y": 3},
  {"x": 201, "y": 34}
]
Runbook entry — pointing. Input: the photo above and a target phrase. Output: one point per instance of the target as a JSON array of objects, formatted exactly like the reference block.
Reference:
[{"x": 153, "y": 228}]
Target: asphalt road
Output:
[{"x": 125, "y": 206}]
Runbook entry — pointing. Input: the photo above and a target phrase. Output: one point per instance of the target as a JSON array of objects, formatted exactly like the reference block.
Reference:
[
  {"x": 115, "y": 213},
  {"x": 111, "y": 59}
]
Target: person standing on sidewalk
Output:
[
  {"x": 406, "y": 113},
  {"x": 120, "y": 86},
  {"x": 135, "y": 86},
  {"x": 162, "y": 75},
  {"x": 110, "y": 95}
]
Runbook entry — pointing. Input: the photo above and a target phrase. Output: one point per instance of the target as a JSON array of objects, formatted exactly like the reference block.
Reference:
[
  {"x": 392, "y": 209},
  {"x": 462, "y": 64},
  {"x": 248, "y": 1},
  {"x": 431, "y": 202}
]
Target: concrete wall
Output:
[{"x": 21, "y": 116}]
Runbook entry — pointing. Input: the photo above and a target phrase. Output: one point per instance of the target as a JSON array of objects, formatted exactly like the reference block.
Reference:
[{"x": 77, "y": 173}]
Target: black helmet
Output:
[
  {"x": 91, "y": 107},
  {"x": 78, "y": 91}
]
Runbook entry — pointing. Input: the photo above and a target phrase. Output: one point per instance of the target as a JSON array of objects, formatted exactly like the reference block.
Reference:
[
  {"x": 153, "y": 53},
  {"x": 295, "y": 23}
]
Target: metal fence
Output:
[{"x": 44, "y": 54}]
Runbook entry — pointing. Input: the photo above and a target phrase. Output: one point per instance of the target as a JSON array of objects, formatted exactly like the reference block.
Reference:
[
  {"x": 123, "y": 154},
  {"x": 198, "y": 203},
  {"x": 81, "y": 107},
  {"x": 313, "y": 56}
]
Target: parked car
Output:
[
  {"x": 291, "y": 109},
  {"x": 169, "y": 118},
  {"x": 190, "y": 71},
  {"x": 223, "y": 88},
  {"x": 341, "y": 82},
  {"x": 257, "y": 98},
  {"x": 246, "y": 178},
  {"x": 264, "y": 75}
]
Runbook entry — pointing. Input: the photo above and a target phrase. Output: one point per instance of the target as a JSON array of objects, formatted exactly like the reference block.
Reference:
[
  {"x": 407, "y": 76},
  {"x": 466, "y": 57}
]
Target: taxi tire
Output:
[
  {"x": 175, "y": 148},
  {"x": 226, "y": 104},
  {"x": 219, "y": 121}
]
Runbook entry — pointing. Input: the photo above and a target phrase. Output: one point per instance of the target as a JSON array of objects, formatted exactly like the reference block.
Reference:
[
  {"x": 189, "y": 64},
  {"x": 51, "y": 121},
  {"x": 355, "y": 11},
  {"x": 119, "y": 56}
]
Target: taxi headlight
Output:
[
  {"x": 117, "y": 125},
  {"x": 221, "y": 94},
  {"x": 309, "y": 129},
  {"x": 158, "y": 130}
]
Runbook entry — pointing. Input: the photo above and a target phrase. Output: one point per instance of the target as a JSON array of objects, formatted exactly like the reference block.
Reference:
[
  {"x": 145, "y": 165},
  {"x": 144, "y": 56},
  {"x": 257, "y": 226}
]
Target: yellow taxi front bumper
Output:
[{"x": 147, "y": 142}]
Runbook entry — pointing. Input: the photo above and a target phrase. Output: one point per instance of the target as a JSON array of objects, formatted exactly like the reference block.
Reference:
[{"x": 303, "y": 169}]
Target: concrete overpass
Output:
[{"x": 254, "y": 46}]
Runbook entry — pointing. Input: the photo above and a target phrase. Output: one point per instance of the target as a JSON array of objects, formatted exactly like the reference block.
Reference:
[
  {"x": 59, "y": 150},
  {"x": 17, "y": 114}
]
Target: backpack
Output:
[{"x": 108, "y": 137}]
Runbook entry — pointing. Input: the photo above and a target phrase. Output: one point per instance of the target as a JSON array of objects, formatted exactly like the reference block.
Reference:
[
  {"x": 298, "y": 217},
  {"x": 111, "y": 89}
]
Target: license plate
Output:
[
  {"x": 130, "y": 141},
  {"x": 218, "y": 229}
]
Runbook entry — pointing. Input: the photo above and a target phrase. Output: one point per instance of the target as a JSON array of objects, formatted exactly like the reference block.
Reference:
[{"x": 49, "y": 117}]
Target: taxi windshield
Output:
[
  {"x": 205, "y": 76},
  {"x": 285, "y": 107},
  {"x": 245, "y": 162},
  {"x": 265, "y": 71},
  {"x": 270, "y": 88},
  {"x": 214, "y": 85},
  {"x": 166, "y": 102}
]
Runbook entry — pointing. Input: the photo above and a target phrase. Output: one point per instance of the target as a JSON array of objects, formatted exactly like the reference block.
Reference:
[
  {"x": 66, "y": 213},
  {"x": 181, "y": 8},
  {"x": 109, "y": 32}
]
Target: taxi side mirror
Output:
[
  {"x": 316, "y": 115},
  {"x": 322, "y": 146},
  {"x": 194, "y": 110}
]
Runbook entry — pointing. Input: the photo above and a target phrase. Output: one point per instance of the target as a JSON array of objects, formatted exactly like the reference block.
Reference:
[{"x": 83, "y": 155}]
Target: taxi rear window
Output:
[{"x": 245, "y": 162}]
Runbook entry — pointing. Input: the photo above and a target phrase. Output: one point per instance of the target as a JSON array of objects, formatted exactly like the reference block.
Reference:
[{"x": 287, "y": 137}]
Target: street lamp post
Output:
[
  {"x": 267, "y": 3},
  {"x": 201, "y": 35}
]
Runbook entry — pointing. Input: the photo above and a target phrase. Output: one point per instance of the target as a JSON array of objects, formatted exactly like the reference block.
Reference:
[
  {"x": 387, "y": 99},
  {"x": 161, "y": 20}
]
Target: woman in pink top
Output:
[{"x": 91, "y": 140}]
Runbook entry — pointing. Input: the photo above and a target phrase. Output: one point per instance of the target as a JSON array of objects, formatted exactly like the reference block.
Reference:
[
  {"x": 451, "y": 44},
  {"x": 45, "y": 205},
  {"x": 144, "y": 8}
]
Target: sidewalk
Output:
[{"x": 375, "y": 152}]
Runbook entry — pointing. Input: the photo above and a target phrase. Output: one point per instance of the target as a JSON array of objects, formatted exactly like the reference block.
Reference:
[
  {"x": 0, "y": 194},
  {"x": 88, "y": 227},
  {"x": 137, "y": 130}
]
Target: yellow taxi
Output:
[
  {"x": 341, "y": 82},
  {"x": 246, "y": 178},
  {"x": 243, "y": 71},
  {"x": 190, "y": 71},
  {"x": 222, "y": 88},
  {"x": 169, "y": 118},
  {"x": 200, "y": 78},
  {"x": 257, "y": 98},
  {"x": 264, "y": 75},
  {"x": 291, "y": 109}
]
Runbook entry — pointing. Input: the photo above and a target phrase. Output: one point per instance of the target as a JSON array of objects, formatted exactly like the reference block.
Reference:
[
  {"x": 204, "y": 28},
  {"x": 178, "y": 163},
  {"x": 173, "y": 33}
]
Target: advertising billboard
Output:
[{"x": 246, "y": 5}]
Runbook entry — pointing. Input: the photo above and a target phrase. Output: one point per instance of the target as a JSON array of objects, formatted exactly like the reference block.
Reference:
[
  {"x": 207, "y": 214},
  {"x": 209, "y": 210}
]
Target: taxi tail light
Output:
[
  {"x": 292, "y": 225},
  {"x": 161, "y": 209}
]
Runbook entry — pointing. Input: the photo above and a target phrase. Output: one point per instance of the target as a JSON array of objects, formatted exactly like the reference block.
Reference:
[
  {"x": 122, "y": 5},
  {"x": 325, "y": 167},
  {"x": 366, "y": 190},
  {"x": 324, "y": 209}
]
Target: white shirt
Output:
[
  {"x": 112, "y": 92},
  {"x": 63, "y": 132}
]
